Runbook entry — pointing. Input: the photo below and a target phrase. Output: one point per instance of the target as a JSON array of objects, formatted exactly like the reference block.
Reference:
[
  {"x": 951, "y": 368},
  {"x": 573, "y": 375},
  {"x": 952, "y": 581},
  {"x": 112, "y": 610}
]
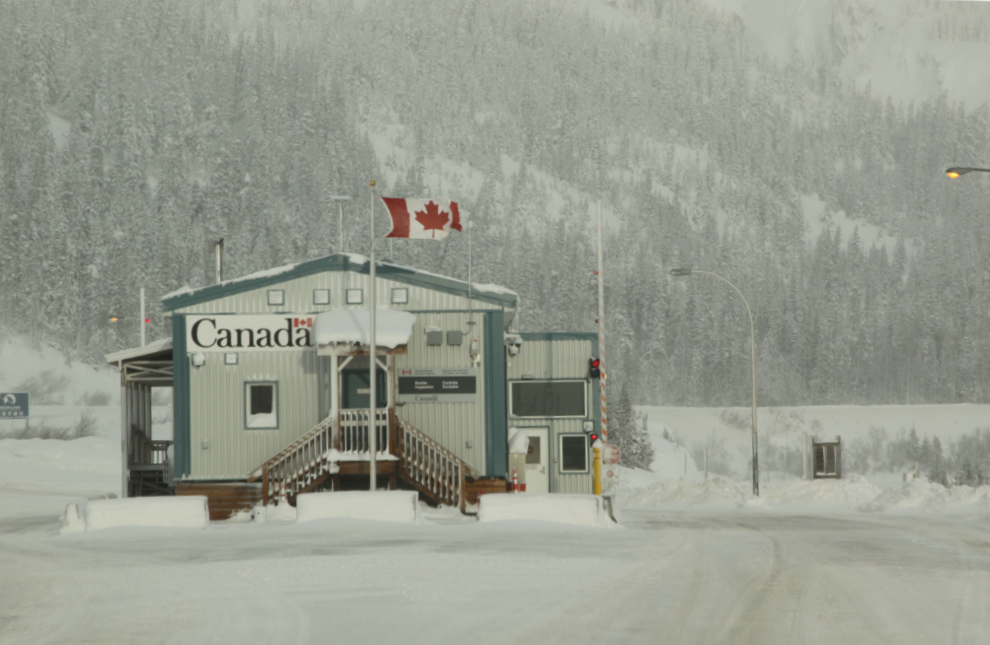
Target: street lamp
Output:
[
  {"x": 752, "y": 341},
  {"x": 956, "y": 173},
  {"x": 340, "y": 199}
]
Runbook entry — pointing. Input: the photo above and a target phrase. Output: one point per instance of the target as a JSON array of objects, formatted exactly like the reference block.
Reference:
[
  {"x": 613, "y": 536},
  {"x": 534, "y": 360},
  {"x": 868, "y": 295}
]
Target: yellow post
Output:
[{"x": 597, "y": 486}]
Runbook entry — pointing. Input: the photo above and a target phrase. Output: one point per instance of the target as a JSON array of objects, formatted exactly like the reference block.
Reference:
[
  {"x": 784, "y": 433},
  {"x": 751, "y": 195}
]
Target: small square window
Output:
[
  {"x": 321, "y": 296},
  {"x": 573, "y": 453},
  {"x": 454, "y": 337},
  {"x": 261, "y": 405},
  {"x": 276, "y": 297},
  {"x": 400, "y": 296},
  {"x": 230, "y": 359},
  {"x": 355, "y": 296}
]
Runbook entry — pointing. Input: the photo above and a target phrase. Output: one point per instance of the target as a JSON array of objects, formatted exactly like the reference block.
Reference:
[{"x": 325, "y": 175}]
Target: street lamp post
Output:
[
  {"x": 957, "y": 172},
  {"x": 752, "y": 341},
  {"x": 340, "y": 199}
]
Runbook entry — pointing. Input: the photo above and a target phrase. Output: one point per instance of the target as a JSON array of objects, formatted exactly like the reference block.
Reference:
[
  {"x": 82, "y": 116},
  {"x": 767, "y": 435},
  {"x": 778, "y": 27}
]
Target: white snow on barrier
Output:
[
  {"x": 922, "y": 495},
  {"x": 187, "y": 511},
  {"x": 385, "y": 506},
  {"x": 579, "y": 510}
]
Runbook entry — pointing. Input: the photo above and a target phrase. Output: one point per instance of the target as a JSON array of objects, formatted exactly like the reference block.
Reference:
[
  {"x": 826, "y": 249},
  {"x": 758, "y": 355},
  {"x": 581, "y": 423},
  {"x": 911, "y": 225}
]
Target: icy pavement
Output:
[{"x": 674, "y": 576}]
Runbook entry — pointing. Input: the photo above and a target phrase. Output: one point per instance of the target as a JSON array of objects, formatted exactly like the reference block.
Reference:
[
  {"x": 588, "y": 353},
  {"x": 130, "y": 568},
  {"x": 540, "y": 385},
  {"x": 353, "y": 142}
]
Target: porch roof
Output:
[
  {"x": 353, "y": 327},
  {"x": 158, "y": 350}
]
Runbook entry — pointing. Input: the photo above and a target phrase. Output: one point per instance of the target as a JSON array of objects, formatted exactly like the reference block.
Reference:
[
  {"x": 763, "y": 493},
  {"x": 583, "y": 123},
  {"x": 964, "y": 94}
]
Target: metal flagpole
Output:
[
  {"x": 143, "y": 315},
  {"x": 373, "y": 359},
  {"x": 601, "y": 324}
]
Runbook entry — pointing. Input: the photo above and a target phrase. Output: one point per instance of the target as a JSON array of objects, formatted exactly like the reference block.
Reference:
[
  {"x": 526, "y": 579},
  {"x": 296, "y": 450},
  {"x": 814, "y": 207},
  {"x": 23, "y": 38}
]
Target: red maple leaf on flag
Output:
[{"x": 433, "y": 219}]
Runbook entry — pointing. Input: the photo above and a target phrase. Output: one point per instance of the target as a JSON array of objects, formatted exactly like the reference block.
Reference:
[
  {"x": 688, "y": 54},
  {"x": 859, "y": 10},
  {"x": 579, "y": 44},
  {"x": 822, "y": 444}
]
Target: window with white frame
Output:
[
  {"x": 355, "y": 296},
  {"x": 321, "y": 296},
  {"x": 573, "y": 453},
  {"x": 276, "y": 297},
  {"x": 548, "y": 398},
  {"x": 260, "y": 405}
]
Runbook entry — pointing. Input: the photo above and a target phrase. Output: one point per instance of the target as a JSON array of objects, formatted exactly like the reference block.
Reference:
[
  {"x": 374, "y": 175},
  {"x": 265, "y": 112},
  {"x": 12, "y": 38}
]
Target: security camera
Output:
[{"x": 513, "y": 343}]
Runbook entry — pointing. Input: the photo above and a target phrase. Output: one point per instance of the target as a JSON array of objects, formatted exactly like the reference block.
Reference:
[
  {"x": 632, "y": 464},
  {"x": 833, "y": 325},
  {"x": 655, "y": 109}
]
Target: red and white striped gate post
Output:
[{"x": 601, "y": 325}]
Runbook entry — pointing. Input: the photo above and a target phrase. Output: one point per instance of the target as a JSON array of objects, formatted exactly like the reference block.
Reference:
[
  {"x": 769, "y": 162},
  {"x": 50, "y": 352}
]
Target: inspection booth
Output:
[{"x": 271, "y": 386}]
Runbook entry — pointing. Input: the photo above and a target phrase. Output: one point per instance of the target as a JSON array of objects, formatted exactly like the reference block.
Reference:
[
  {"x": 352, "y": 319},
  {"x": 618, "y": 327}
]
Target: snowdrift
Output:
[
  {"x": 579, "y": 510},
  {"x": 387, "y": 506},
  {"x": 189, "y": 512}
]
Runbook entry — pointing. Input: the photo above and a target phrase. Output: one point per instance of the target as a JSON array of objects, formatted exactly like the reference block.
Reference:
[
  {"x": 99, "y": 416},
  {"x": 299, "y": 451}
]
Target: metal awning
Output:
[
  {"x": 351, "y": 329},
  {"x": 149, "y": 365}
]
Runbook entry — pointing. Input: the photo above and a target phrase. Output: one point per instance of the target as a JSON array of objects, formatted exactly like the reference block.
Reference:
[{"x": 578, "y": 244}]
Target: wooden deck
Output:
[{"x": 224, "y": 499}]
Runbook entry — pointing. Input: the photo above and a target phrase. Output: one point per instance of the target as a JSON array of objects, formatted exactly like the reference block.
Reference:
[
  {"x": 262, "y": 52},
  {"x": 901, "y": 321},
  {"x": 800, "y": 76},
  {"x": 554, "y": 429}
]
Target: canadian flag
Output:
[{"x": 422, "y": 219}]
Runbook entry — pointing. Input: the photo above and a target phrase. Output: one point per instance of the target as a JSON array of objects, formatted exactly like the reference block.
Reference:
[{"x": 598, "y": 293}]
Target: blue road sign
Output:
[{"x": 13, "y": 405}]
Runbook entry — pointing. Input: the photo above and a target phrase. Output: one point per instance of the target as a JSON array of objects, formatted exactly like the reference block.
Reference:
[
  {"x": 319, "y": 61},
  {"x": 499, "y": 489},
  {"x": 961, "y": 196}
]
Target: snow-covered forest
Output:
[{"x": 134, "y": 133}]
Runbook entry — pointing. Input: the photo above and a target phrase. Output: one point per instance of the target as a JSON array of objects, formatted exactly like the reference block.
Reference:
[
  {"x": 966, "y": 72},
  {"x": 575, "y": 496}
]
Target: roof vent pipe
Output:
[{"x": 218, "y": 257}]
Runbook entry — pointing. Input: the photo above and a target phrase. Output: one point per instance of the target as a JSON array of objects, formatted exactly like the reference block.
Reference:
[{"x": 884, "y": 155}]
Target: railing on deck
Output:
[
  {"x": 430, "y": 466},
  {"x": 354, "y": 431},
  {"x": 299, "y": 464},
  {"x": 146, "y": 452}
]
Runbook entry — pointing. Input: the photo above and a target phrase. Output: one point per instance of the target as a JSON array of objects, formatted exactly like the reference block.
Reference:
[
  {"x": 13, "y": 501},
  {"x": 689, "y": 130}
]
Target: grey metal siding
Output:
[
  {"x": 218, "y": 410},
  {"x": 559, "y": 356},
  {"x": 459, "y": 427}
]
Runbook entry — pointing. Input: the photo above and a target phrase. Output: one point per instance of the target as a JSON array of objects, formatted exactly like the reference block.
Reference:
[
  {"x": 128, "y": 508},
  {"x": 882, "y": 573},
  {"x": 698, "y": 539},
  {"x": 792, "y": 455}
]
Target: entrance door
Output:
[{"x": 537, "y": 460}]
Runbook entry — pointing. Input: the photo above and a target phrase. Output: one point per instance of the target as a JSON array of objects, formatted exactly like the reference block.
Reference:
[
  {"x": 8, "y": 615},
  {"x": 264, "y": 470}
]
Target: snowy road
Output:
[{"x": 671, "y": 577}]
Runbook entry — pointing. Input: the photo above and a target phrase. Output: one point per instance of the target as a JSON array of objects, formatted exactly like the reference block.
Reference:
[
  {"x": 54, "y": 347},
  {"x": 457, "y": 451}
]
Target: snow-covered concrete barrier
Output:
[
  {"x": 385, "y": 506},
  {"x": 580, "y": 510},
  {"x": 188, "y": 512}
]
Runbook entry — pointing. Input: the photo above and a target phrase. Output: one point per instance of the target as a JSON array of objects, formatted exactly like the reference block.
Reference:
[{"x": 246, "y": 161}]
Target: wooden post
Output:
[{"x": 264, "y": 485}]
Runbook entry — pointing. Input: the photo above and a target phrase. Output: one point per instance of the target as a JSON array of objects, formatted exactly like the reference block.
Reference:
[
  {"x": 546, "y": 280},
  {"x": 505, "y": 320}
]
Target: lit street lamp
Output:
[
  {"x": 752, "y": 341},
  {"x": 956, "y": 173}
]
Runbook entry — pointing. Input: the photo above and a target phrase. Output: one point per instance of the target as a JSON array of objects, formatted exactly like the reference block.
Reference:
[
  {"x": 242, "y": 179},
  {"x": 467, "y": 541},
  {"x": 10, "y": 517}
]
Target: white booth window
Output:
[
  {"x": 573, "y": 453},
  {"x": 276, "y": 297},
  {"x": 548, "y": 398},
  {"x": 321, "y": 296},
  {"x": 261, "y": 405},
  {"x": 355, "y": 296}
]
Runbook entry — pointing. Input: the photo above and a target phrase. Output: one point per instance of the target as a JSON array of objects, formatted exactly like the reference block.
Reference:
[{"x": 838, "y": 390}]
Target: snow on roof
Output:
[
  {"x": 267, "y": 273},
  {"x": 353, "y": 259},
  {"x": 160, "y": 345},
  {"x": 392, "y": 328}
]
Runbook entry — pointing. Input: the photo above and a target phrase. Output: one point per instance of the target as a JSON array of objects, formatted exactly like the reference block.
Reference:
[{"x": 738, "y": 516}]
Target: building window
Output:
[
  {"x": 276, "y": 297},
  {"x": 400, "y": 296},
  {"x": 573, "y": 453},
  {"x": 261, "y": 405},
  {"x": 321, "y": 296},
  {"x": 230, "y": 359},
  {"x": 548, "y": 398},
  {"x": 355, "y": 296}
]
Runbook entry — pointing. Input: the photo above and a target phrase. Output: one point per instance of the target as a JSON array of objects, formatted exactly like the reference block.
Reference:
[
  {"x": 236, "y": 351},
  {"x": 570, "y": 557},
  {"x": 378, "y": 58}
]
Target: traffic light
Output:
[
  {"x": 592, "y": 437},
  {"x": 594, "y": 367}
]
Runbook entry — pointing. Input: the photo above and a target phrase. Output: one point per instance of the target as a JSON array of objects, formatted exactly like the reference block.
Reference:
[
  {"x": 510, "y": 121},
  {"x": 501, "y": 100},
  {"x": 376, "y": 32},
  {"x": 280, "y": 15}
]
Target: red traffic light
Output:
[
  {"x": 593, "y": 437},
  {"x": 594, "y": 367}
]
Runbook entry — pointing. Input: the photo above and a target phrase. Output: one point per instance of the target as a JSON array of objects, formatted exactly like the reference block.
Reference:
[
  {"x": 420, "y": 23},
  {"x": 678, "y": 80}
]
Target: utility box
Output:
[{"x": 827, "y": 459}]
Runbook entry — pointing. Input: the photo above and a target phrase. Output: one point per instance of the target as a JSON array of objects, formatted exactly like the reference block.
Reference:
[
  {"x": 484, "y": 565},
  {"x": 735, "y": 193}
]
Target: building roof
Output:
[
  {"x": 491, "y": 294},
  {"x": 161, "y": 349}
]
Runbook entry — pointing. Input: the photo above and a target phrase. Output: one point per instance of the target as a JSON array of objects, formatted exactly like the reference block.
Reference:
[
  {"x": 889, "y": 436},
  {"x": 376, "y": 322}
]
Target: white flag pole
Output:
[{"x": 373, "y": 359}]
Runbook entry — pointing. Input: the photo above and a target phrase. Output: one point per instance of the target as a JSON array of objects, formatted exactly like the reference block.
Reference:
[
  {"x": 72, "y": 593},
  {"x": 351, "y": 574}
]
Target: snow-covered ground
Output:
[{"x": 867, "y": 559}]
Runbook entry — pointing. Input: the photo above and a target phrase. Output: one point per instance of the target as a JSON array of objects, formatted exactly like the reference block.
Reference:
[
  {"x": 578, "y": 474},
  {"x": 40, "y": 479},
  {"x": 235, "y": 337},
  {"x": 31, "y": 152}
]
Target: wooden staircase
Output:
[{"x": 307, "y": 463}]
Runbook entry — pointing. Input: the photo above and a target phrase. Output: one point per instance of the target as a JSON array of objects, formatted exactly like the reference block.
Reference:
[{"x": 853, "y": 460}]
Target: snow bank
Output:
[
  {"x": 580, "y": 510},
  {"x": 717, "y": 491},
  {"x": 922, "y": 495},
  {"x": 387, "y": 506},
  {"x": 188, "y": 511}
]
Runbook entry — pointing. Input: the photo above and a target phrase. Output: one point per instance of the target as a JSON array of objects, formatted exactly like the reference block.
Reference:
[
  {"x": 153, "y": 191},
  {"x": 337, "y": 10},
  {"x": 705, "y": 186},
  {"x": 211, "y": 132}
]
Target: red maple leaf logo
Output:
[{"x": 433, "y": 219}]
